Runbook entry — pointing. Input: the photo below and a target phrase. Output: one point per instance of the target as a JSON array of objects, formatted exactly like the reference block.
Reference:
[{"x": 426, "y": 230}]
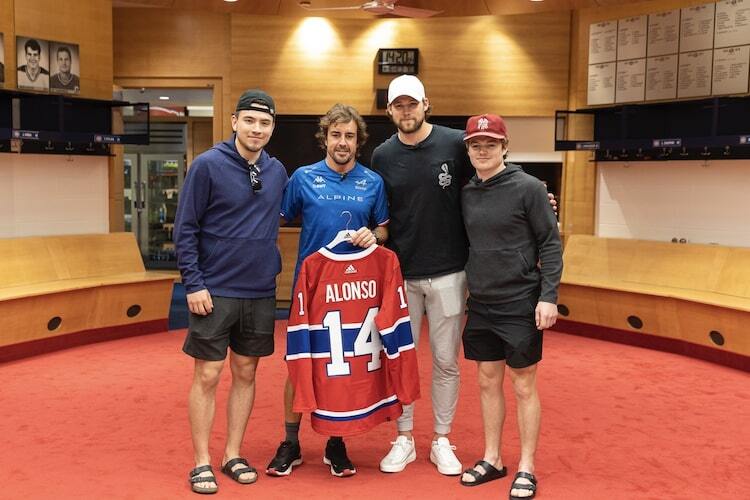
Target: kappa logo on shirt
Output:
[
  {"x": 361, "y": 185},
  {"x": 444, "y": 178},
  {"x": 351, "y": 269},
  {"x": 319, "y": 182}
]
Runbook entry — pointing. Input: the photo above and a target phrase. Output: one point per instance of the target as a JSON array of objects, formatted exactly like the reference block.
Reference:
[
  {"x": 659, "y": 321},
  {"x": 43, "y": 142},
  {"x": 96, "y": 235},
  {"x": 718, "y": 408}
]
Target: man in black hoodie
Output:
[{"x": 513, "y": 273}]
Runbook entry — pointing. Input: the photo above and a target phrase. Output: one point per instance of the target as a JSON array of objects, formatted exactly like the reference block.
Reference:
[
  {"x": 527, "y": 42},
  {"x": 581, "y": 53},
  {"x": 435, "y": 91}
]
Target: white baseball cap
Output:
[{"x": 406, "y": 85}]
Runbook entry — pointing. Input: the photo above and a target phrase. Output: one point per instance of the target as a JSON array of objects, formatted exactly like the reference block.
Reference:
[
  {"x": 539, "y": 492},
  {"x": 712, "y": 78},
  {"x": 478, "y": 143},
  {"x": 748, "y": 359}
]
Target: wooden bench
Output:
[
  {"x": 688, "y": 298},
  {"x": 57, "y": 291}
]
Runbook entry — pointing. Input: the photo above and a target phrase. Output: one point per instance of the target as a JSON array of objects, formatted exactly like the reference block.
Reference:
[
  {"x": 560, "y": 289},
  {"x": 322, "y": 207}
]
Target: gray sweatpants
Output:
[{"x": 443, "y": 299}]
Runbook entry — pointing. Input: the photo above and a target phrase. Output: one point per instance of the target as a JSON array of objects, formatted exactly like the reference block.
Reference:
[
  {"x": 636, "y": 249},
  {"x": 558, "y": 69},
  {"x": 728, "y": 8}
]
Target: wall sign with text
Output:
[
  {"x": 398, "y": 61},
  {"x": 697, "y": 51}
]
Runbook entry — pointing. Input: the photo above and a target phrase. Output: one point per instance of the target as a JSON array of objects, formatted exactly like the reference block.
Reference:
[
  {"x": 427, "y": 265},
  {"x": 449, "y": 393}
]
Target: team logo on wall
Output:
[{"x": 444, "y": 178}]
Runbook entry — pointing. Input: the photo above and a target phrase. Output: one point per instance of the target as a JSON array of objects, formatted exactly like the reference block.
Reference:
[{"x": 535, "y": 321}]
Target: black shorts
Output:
[
  {"x": 244, "y": 325},
  {"x": 496, "y": 332}
]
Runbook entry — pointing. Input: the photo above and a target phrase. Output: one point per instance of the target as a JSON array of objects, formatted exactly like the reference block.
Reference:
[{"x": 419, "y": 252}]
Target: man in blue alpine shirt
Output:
[
  {"x": 320, "y": 193},
  {"x": 225, "y": 235},
  {"x": 513, "y": 274}
]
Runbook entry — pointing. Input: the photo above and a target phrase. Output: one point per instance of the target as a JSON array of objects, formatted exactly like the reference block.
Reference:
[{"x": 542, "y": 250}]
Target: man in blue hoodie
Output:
[{"x": 225, "y": 234}]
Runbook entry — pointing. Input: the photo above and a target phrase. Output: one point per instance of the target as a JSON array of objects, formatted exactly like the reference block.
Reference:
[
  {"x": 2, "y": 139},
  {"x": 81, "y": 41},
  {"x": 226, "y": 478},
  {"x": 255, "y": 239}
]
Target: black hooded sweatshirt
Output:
[{"x": 514, "y": 243}]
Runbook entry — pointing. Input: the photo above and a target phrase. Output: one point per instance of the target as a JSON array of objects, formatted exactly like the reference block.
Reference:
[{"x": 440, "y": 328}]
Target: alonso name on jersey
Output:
[{"x": 354, "y": 290}]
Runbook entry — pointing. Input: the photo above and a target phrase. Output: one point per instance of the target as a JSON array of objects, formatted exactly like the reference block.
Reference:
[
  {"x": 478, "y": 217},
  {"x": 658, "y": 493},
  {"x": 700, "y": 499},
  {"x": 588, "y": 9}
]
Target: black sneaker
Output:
[
  {"x": 336, "y": 457},
  {"x": 287, "y": 456}
]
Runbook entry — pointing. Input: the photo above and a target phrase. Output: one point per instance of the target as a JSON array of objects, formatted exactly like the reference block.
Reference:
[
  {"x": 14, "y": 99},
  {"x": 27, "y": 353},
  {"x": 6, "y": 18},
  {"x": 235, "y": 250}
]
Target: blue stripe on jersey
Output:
[
  {"x": 400, "y": 337},
  {"x": 298, "y": 342},
  {"x": 355, "y": 417},
  {"x": 318, "y": 341}
]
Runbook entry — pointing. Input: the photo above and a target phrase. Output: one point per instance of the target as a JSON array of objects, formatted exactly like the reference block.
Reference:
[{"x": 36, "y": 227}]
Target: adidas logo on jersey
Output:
[{"x": 351, "y": 269}]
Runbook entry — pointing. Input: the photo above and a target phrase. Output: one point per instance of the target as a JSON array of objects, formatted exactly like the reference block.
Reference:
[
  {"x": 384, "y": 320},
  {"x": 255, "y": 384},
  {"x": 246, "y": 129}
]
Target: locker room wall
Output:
[
  {"x": 701, "y": 202},
  {"x": 52, "y": 194},
  {"x": 580, "y": 207},
  {"x": 56, "y": 194}
]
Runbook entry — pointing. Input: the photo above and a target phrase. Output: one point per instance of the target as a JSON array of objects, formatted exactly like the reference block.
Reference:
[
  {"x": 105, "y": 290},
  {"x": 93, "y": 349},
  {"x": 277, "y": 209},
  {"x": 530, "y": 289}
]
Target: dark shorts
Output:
[
  {"x": 244, "y": 325},
  {"x": 496, "y": 332}
]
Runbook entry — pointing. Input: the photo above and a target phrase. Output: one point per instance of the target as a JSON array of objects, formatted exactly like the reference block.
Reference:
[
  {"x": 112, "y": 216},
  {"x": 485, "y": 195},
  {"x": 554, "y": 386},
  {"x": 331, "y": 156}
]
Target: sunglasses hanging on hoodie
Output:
[{"x": 254, "y": 173}]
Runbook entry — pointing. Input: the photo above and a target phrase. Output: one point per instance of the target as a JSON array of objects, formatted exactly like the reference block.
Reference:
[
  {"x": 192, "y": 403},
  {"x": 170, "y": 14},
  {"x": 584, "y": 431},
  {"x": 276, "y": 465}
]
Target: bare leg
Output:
[
  {"x": 239, "y": 406},
  {"x": 492, "y": 400},
  {"x": 529, "y": 419},
  {"x": 201, "y": 409}
]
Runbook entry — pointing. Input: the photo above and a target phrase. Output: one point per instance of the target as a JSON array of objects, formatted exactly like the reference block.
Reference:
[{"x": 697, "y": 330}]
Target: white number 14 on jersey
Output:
[{"x": 367, "y": 342}]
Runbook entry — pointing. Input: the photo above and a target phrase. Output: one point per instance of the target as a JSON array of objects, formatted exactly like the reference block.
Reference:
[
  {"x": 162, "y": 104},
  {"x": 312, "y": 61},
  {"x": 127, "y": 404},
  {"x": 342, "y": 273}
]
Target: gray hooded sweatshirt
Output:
[{"x": 514, "y": 243}]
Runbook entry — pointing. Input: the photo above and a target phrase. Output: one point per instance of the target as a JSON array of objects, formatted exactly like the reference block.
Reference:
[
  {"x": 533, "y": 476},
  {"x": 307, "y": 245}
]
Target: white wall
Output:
[
  {"x": 53, "y": 194},
  {"x": 701, "y": 202}
]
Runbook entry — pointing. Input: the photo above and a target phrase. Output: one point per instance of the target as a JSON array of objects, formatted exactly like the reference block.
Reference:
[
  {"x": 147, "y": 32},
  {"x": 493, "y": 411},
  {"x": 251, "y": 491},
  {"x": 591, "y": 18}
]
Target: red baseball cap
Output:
[{"x": 486, "y": 125}]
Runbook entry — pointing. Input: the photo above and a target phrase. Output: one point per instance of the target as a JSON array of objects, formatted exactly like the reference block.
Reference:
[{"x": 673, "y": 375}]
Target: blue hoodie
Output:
[{"x": 225, "y": 234}]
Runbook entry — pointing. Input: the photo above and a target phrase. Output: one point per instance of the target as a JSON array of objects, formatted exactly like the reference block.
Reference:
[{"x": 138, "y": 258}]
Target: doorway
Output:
[
  {"x": 153, "y": 182},
  {"x": 181, "y": 123}
]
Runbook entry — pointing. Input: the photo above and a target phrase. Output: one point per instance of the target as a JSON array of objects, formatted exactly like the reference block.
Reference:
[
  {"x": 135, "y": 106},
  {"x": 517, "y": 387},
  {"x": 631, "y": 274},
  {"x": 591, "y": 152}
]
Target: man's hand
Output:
[
  {"x": 200, "y": 302},
  {"x": 546, "y": 315},
  {"x": 552, "y": 201},
  {"x": 364, "y": 237}
]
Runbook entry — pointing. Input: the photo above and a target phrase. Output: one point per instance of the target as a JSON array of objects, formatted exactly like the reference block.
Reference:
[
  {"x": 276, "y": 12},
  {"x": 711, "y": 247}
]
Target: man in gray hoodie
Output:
[{"x": 513, "y": 273}]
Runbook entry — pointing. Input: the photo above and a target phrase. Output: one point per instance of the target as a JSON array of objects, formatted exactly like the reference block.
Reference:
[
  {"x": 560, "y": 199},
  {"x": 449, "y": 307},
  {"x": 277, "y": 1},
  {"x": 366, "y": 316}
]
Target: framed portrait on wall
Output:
[
  {"x": 65, "y": 68},
  {"x": 32, "y": 63}
]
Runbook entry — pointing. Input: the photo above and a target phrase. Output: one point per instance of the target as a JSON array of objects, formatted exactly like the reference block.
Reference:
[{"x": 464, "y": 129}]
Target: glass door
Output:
[
  {"x": 130, "y": 171},
  {"x": 134, "y": 198},
  {"x": 161, "y": 176}
]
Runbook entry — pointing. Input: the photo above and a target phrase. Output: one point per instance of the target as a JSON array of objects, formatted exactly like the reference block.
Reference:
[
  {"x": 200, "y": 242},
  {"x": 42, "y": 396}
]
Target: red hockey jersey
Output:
[{"x": 350, "y": 350}]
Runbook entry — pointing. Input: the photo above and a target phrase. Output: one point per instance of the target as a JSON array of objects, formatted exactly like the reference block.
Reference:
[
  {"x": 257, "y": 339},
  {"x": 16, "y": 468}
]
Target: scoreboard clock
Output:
[{"x": 398, "y": 61}]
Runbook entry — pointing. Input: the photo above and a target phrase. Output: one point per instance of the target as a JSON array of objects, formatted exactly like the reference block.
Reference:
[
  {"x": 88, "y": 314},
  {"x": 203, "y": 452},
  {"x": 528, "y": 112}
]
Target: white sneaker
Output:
[
  {"x": 442, "y": 455},
  {"x": 401, "y": 454}
]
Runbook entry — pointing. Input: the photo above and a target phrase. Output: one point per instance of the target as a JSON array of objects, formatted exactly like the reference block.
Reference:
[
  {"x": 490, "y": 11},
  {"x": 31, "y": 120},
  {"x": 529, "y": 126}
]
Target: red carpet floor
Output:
[{"x": 108, "y": 421}]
